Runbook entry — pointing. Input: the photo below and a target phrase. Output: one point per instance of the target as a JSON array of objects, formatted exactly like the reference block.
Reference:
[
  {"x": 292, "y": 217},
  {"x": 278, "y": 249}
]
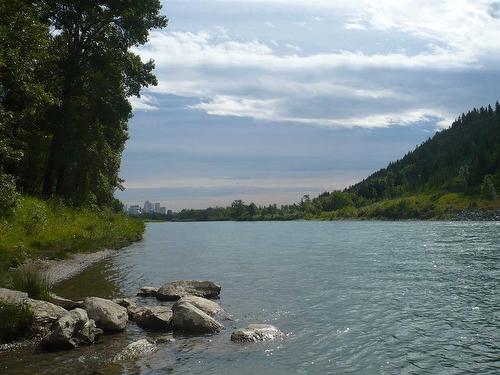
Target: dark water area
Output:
[{"x": 352, "y": 297}]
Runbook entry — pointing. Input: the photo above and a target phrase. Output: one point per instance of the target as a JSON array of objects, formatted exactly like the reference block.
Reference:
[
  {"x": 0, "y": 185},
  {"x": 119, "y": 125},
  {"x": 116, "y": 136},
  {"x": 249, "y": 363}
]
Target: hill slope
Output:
[{"x": 459, "y": 159}]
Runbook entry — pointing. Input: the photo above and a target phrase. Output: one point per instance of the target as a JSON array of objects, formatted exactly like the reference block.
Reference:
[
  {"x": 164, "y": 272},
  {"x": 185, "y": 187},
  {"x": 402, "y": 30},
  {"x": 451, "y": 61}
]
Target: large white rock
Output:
[
  {"x": 187, "y": 317},
  {"x": 207, "y": 306},
  {"x": 174, "y": 290},
  {"x": 256, "y": 332},
  {"x": 12, "y": 296},
  {"x": 108, "y": 315}
]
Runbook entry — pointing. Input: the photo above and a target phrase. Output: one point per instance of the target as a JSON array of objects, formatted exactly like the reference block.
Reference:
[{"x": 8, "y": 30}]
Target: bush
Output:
[
  {"x": 8, "y": 195},
  {"x": 15, "y": 321},
  {"x": 30, "y": 280}
]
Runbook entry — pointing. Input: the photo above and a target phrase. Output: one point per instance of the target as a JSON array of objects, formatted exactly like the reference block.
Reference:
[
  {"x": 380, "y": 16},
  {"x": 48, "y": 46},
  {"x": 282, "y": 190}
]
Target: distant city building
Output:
[
  {"x": 134, "y": 210},
  {"x": 169, "y": 212},
  {"x": 163, "y": 210},
  {"x": 148, "y": 207},
  {"x": 157, "y": 208}
]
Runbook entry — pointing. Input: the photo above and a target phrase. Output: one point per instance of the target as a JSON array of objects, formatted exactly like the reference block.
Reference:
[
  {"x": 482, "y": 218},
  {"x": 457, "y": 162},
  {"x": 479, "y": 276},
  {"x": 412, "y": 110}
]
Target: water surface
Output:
[{"x": 352, "y": 297}]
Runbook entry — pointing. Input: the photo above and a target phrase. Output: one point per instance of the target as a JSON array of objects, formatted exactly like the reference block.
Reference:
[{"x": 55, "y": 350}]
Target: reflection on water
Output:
[{"x": 353, "y": 297}]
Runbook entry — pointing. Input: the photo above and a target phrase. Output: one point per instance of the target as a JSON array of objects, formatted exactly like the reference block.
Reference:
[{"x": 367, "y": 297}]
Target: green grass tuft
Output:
[
  {"x": 30, "y": 280},
  {"x": 15, "y": 321}
]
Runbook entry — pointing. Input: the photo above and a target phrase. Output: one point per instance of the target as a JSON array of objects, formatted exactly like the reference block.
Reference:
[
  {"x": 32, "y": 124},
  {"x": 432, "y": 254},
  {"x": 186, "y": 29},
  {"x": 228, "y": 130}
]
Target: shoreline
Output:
[{"x": 64, "y": 269}]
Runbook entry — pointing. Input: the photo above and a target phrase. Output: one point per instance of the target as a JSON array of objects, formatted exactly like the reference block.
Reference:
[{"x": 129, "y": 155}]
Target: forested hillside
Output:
[{"x": 459, "y": 159}]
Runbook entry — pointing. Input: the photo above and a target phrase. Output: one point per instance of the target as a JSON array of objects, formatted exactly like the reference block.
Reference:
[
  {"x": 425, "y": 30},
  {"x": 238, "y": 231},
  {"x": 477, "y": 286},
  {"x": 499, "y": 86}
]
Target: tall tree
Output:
[
  {"x": 24, "y": 93},
  {"x": 95, "y": 74}
]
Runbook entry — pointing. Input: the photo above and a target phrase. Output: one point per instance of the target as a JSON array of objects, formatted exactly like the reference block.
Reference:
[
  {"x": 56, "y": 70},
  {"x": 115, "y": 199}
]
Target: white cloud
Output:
[
  {"x": 275, "y": 110},
  {"x": 144, "y": 102}
]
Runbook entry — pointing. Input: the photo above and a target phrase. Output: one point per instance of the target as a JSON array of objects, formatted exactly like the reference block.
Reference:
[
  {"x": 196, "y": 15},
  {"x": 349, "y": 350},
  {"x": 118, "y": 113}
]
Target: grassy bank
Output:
[
  {"x": 424, "y": 206},
  {"x": 50, "y": 229}
]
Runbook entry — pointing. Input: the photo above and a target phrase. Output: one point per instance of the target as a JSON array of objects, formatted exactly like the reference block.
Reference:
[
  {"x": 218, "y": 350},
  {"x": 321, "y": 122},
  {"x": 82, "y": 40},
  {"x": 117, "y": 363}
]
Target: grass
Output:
[
  {"x": 50, "y": 229},
  {"x": 15, "y": 321},
  {"x": 30, "y": 280}
]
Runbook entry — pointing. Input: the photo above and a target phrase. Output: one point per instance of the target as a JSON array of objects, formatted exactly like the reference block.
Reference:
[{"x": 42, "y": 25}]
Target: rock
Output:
[
  {"x": 187, "y": 317},
  {"x": 157, "y": 318},
  {"x": 44, "y": 312},
  {"x": 208, "y": 307},
  {"x": 133, "y": 309},
  {"x": 174, "y": 290},
  {"x": 12, "y": 296},
  {"x": 108, "y": 316},
  {"x": 64, "y": 302},
  {"x": 148, "y": 291},
  {"x": 256, "y": 332},
  {"x": 72, "y": 330},
  {"x": 164, "y": 340},
  {"x": 136, "y": 349}
]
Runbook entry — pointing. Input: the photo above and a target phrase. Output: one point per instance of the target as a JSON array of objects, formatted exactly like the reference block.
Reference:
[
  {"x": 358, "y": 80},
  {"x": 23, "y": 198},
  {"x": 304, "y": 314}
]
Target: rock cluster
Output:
[{"x": 192, "y": 312}]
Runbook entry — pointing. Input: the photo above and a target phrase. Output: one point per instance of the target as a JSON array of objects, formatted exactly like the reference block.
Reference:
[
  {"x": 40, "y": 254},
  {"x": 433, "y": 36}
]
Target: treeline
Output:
[
  {"x": 458, "y": 168},
  {"x": 66, "y": 72}
]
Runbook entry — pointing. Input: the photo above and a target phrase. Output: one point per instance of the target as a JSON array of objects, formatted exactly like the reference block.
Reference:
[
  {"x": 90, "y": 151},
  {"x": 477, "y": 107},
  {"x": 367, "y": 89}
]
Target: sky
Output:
[{"x": 266, "y": 101}]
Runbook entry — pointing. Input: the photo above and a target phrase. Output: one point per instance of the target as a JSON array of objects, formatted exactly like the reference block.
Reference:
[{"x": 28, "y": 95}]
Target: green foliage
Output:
[
  {"x": 29, "y": 279},
  {"x": 8, "y": 195},
  {"x": 66, "y": 74},
  {"x": 52, "y": 229},
  {"x": 15, "y": 321}
]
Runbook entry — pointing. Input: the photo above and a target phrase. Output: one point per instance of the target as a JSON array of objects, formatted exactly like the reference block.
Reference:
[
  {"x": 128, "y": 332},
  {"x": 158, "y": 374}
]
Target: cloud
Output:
[
  {"x": 367, "y": 85},
  {"x": 144, "y": 103},
  {"x": 272, "y": 110}
]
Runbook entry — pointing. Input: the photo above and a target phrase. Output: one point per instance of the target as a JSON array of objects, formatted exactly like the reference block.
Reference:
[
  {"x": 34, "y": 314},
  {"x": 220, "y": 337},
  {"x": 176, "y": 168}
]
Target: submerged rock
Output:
[
  {"x": 208, "y": 307},
  {"x": 148, "y": 291},
  {"x": 136, "y": 349},
  {"x": 72, "y": 330},
  {"x": 157, "y": 318},
  {"x": 108, "y": 315},
  {"x": 175, "y": 290},
  {"x": 187, "y": 317},
  {"x": 256, "y": 332},
  {"x": 164, "y": 339},
  {"x": 133, "y": 309}
]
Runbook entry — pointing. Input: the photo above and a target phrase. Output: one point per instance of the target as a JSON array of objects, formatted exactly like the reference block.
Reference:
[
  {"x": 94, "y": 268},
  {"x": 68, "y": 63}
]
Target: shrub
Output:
[
  {"x": 8, "y": 195},
  {"x": 30, "y": 280},
  {"x": 15, "y": 321}
]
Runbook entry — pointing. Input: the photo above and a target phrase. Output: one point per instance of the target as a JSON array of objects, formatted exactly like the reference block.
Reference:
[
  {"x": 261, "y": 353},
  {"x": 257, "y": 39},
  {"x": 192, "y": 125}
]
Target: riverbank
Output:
[{"x": 46, "y": 231}]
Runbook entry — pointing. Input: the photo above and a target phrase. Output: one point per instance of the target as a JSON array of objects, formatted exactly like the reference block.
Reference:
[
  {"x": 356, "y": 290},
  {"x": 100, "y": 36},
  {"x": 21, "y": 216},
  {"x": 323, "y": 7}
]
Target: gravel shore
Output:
[{"x": 59, "y": 270}]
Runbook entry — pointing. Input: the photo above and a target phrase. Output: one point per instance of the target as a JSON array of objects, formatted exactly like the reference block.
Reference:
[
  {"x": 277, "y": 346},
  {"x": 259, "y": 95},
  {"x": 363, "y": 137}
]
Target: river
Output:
[{"x": 352, "y": 297}]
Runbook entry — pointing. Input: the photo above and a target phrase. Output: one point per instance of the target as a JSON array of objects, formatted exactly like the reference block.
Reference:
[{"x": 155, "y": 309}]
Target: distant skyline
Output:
[{"x": 268, "y": 100}]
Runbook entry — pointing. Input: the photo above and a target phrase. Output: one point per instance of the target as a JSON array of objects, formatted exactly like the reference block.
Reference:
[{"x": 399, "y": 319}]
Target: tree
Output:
[
  {"x": 94, "y": 74},
  {"x": 24, "y": 95}
]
